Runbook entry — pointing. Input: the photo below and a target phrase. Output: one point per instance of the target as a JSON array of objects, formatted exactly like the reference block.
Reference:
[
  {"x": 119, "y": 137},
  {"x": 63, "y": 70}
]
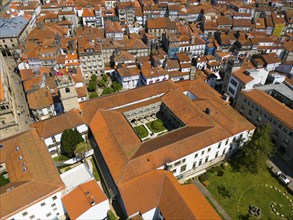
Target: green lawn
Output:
[
  {"x": 156, "y": 129},
  {"x": 95, "y": 171},
  {"x": 141, "y": 131},
  {"x": 248, "y": 189},
  {"x": 3, "y": 181},
  {"x": 60, "y": 158}
]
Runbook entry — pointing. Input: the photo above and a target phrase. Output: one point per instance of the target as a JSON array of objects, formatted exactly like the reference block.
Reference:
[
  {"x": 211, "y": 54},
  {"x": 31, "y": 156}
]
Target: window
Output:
[
  {"x": 224, "y": 151},
  {"x": 200, "y": 162},
  {"x": 258, "y": 119},
  {"x": 53, "y": 205},
  {"x": 207, "y": 159},
  {"x": 24, "y": 213},
  {"x": 48, "y": 214},
  {"x": 43, "y": 204},
  {"x": 234, "y": 82},
  {"x": 183, "y": 161},
  {"x": 219, "y": 145},
  {"x": 54, "y": 198},
  {"x": 256, "y": 109},
  {"x": 227, "y": 141},
  {"x": 217, "y": 153},
  {"x": 250, "y": 112},
  {"x": 53, "y": 139},
  {"x": 266, "y": 115},
  {"x": 173, "y": 171},
  {"x": 183, "y": 168},
  {"x": 261, "y": 112},
  {"x": 280, "y": 126},
  {"x": 245, "y": 100},
  {"x": 32, "y": 216},
  {"x": 270, "y": 118},
  {"x": 209, "y": 149},
  {"x": 231, "y": 90},
  {"x": 290, "y": 133},
  {"x": 195, "y": 155},
  {"x": 177, "y": 163},
  {"x": 67, "y": 90},
  {"x": 202, "y": 153},
  {"x": 194, "y": 165},
  {"x": 275, "y": 122}
]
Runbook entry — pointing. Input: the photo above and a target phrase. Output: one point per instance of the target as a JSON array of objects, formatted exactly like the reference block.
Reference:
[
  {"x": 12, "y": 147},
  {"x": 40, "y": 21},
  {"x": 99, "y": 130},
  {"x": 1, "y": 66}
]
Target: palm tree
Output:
[{"x": 81, "y": 150}]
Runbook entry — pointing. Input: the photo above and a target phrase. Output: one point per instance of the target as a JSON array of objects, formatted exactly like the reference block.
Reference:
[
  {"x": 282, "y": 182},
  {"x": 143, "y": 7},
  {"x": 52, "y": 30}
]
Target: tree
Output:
[
  {"x": 92, "y": 86},
  {"x": 254, "y": 153},
  {"x": 81, "y": 149},
  {"x": 101, "y": 83},
  {"x": 69, "y": 139},
  {"x": 105, "y": 77},
  {"x": 94, "y": 95},
  {"x": 116, "y": 86},
  {"x": 107, "y": 91},
  {"x": 94, "y": 77}
]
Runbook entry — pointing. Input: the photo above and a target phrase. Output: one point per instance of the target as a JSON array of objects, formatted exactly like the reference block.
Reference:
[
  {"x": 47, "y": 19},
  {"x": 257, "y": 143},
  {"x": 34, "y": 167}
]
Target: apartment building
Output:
[
  {"x": 33, "y": 175},
  {"x": 90, "y": 56},
  {"x": 13, "y": 32},
  {"x": 261, "y": 108}
]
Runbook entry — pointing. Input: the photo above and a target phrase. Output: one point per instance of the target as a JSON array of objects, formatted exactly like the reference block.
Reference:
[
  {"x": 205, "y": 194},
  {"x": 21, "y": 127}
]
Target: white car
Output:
[{"x": 283, "y": 178}]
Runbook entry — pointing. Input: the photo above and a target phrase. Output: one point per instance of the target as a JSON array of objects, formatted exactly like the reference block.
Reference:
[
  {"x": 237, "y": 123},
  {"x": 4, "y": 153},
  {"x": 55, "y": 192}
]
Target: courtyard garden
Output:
[
  {"x": 245, "y": 195},
  {"x": 141, "y": 131},
  {"x": 156, "y": 126}
]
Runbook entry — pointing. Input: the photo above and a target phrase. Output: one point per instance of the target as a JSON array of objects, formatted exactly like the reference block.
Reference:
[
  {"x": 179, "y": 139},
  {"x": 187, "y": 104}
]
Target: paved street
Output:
[{"x": 19, "y": 96}]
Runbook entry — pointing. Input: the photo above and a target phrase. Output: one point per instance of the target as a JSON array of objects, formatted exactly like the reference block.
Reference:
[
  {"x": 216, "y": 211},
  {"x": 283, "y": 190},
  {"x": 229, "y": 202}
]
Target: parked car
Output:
[{"x": 283, "y": 178}]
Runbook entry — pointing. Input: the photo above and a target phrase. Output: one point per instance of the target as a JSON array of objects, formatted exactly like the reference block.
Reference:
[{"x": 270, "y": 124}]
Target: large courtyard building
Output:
[{"x": 200, "y": 129}]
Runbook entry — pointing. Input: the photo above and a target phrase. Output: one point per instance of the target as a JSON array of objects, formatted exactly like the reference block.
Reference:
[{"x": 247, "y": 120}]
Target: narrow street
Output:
[{"x": 24, "y": 119}]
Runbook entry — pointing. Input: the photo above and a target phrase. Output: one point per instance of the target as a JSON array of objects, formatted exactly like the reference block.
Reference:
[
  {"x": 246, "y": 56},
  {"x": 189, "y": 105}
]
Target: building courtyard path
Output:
[{"x": 214, "y": 202}]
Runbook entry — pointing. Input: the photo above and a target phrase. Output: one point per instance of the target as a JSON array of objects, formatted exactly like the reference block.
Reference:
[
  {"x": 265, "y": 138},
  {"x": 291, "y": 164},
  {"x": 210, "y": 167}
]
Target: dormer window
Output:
[
  {"x": 17, "y": 148},
  {"x": 20, "y": 158},
  {"x": 24, "y": 169}
]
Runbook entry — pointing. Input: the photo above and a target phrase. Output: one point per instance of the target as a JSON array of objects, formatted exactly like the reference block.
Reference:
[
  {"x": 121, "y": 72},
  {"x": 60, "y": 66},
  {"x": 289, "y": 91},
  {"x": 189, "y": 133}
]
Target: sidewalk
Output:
[{"x": 206, "y": 193}]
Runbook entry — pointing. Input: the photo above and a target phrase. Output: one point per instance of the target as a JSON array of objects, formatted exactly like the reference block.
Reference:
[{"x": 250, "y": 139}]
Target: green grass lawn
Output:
[
  {"x": 60, "y": 158},
  {"x": 95, "y": 171},
  {"x": 155, "y": 129},
  {"x": 249, "y": 189},
  {"x": 3, "y": 181},
  {"x": 141, "y": 131}
]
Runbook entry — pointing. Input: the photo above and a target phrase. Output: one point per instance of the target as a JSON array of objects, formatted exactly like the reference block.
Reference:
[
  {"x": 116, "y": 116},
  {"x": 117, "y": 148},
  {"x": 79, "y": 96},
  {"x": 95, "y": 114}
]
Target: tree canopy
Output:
[
  {"x": 92, "y": 86},
  {"x": 107, "y": 91},
  {"x": 69, "y": 139},
  {"x": 101, "y": 83},
  {"x": 81, "y": 150},
  {"x": 94, "y": 95},
  {"x": 94, "y": 77},
  {"x": 116, "y": 86},
  {"x": 254, "y": 153}
]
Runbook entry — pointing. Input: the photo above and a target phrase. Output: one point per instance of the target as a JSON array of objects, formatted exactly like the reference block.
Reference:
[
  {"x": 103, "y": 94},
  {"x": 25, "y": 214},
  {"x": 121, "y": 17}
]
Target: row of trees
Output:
[
  {"x": 92, "y": 87},
  {"x": 72, "y": 144}
]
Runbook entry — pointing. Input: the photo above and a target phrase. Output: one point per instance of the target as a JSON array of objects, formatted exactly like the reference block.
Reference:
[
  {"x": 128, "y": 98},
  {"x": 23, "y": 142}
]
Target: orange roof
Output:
[
  {"x": 82, "y": 198},
  {"x": 88, "y": 13},
  {"x": 242, "y": 76},
  {"x": 127, "y": 157},
  {"x": 40, "y": 179},
  {"x": 161, "y": 189},
  {"x": 56, "y": 125},
  {"x": 275, "y": 107},
  {"x": 40, "y": 99}
]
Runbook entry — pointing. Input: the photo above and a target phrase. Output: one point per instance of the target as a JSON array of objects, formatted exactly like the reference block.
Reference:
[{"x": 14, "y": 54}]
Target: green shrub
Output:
[
  {"x": 92, "y": 86},
  {"x": 157, "y": 125},
  {"x": 101, "y": 83},
  {"x": 203, "y": 177},
  {"x": 94, "y": 77},
  {"x": 93, "y": 95},
  {"x": 105, "y": 77},
  {"x": 220, "y": 173}
]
